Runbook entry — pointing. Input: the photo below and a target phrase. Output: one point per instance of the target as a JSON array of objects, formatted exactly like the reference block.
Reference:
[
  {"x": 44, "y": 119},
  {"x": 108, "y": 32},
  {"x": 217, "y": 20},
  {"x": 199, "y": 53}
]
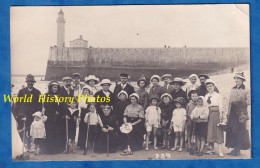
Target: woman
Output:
[
  {"x": 237, "y": 136},
  {"x": 91, "y": 81},
  {"x": 108, "y": 131},
  {"x": 83, "y": 110},
  {"x": 215, "y": 133},
  {"x": 55, "y": 125},
  {"x": 134, "y": 114}
]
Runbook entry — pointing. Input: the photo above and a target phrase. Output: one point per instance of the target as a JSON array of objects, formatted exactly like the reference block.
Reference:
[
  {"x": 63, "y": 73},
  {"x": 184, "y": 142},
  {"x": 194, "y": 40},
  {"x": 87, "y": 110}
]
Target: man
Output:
[
  {"x": 167, "y": 88},
  {"x": 76, "y": 85},
  {"x": 202, "y": 89},
  {"x": 66, "y": 90},
  {"x": 27, "y": 109},
  {"x": 123, "y": 86}
]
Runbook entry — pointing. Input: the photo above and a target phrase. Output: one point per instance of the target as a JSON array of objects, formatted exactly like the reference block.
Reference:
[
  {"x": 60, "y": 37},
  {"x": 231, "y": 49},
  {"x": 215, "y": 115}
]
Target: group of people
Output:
[{"x": 135, "y": 118}]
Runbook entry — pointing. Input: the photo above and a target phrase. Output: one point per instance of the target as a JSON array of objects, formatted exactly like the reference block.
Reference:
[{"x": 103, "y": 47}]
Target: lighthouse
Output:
[{"x": 61, "y": 29}]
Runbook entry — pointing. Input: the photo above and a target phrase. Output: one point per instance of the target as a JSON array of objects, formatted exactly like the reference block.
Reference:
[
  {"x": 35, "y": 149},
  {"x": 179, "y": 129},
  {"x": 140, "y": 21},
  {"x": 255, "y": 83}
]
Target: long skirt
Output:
[
  {"x": 17, "y": 144},
  {"x": 135, "y": 137},
  {"x": 215, "y": 133}
]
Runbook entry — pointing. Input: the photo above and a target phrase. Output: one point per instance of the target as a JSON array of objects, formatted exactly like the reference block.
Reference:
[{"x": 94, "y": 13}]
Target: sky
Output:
[{"x": 34, "y": 29}]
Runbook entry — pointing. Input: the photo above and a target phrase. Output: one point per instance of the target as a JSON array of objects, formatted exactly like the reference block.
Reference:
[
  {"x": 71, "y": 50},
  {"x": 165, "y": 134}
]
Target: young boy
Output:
[
  {"x": 193, "y": 96},
  {"x": 166, "y": 115},
  {"x": 156, "y": 89},
  {"x": 71, "y": 117},
  {"x": 152, "y": 120}
]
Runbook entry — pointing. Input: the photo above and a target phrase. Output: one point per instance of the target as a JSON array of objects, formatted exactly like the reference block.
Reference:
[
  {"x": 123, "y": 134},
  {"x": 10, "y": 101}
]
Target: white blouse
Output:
[{"x": 216, "y": 100}]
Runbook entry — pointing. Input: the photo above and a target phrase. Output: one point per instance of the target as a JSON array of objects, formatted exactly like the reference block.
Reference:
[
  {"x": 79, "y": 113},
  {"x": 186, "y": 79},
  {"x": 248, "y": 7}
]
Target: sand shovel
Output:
[
  {"x": 86, "y": 146},
  {"x": 67, "y": 137}
]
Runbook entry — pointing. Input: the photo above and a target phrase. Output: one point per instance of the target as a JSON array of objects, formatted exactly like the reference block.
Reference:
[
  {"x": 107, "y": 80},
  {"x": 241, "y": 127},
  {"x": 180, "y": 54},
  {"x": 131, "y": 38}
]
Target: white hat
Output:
[
  {"x": 122, "y": 92},
  {"x": 209, "y": 81},
  {"x": 166, "y": 75},
  {"x": 166, "y": 94},
  {"x": 105, "y": 81},
  {"x": 38, "y": 113},
  {"x": 193, "y": 75},
  {"x": 92, "y": 77},
  {"x": 178, "y": 80},
  {"x": 134, "y": 95},
  {"x": 126, "y": 128},
  {"x": 155, "y": 76},
  {"x": 87, "y": 87},
  {"x": 240, "y": 75}
]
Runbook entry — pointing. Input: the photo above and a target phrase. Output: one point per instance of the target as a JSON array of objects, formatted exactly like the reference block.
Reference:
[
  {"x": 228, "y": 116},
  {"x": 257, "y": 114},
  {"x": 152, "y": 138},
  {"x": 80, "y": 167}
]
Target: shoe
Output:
[
  {"x": 236, "y": 153},
  {"x": 173, "y": 149},
  {"x": 155, "y": 148},
  {"x": 180, "y": 149},
  {"x": 221, "y": 154},
  {"x": 232, "y": 152},
  {"x": 163, "y": 147},
  {"x": 147, "y": 149}
]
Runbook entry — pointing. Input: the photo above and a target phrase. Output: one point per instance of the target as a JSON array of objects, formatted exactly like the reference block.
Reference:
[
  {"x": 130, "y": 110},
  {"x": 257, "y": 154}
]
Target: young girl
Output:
[
  {"x": 91, "y": 81},
  {"x": 178, "y": 122},
  {"x": 37, "y": 131},
  {"x": 166, "y": 115},
  {"x": 143, "y": 94},
  {"x": 193, "y": 83},
  {"x": 200, "y": 116},
  {"x": 71, "y": 116},
  {"x": 156, "y": 89},
  {"x": 93, "y": 119},
  {"x": 152, "y": 120}
]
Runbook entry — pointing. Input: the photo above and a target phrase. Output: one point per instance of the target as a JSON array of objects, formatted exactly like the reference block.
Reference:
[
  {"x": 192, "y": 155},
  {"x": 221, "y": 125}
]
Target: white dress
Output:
[{"x": 17, "y": 144}]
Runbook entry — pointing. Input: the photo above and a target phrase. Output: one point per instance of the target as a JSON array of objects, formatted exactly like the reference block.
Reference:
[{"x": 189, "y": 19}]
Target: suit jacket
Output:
[
  {"x": 167, "y": 90},
  {"x": 101, "y": 94},
  {"x": 64, "y": 93},
  {"x": 128, "y": 88}
]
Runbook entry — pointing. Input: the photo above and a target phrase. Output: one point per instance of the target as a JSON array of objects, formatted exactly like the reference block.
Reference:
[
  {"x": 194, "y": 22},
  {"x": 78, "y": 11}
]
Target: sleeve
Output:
[
  {"x": 141, "y": 112},
  {"x": 147, "y": 112},
  {"x": 86, "y": 118},
  {"x": 205, "y": 113},
  {"x": 173, "y": 115},
  {"x": 184, "y": 114},
  {"x": 39, "y": 103},
  {"x": 146, "y": 101},
  {"x": 193, "y": 113},
  {"x": 100, "y": 121},
  {"x": 126, "y": 110},
  {"x": 220, "y": 103},
  {"x": 159, "y": 110},
  {"x": 32, "y": 130}
]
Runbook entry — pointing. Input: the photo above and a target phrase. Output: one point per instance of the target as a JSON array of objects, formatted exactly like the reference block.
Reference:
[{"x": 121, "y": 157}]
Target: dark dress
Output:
[
  {"x": 72, "y": 123},
  {"x": 82, "y": 129},
  {"x": 166, "y": 113},
  {"x": 101, "y": 145},
  {"x": 55, "y": 127}
]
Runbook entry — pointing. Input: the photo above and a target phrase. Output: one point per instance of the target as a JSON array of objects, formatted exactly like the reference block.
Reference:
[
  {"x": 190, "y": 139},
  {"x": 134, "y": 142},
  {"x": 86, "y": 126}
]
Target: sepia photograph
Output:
[{"x": 130, "y": 82}]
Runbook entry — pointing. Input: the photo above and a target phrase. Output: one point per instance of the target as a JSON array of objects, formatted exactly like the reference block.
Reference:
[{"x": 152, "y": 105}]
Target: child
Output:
[
  {"x": 178, "y": 122},
  {"x": 193, "y": 95},
  {"x": 156, "y": 89},
  {"x": 37, "y": 131},
  {"x": 167, "y": 88},
  {"x": 92, "y": 119},
  {"x": 178, "y": 91},
  {"x": 71, "y": 116},
  {"x": 193, "y": 83},
  {"x": 200, "y": 116},
  {"x": 142, "y": 93},
  {"x": 166, "y": 115},
  {"x": 152, "y": 120}
]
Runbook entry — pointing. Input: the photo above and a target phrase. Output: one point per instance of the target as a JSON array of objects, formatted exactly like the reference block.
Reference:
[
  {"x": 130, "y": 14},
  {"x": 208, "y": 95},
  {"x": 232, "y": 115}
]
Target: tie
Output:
[
  {"x": 68, "y": 90},
  {"x": 209, "y": 101}
]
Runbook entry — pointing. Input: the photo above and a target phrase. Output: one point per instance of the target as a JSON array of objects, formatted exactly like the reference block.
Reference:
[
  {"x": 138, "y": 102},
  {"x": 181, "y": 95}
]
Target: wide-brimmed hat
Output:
[
  {"x": 142, "y": 79},
  {"x": 122, "y": 92},
  {"x": 66, "y": 78},
  {"x": 204, "y": 75},
  {"x": 166, "y": 75},
  {"x": 134, "y": 95},
  {"x": 75, "y": 75},
  {"x": 156, "y": 77},
  {"x": 30, "y": 78},
  {"x": 178, "y": 80},
  {"x": 54, "y": 83},
  {"x": 105, "y": 81},
  {"x": 126, "y": 128},
  {"x": 193, "y": 75},
  {"x": 209, "y": 81},
  {"x": 87, "y": 87},
  {"x": 240, "y": 75},
  {"x": 180, "y": 100},
  {"x": 38, "y": 113},
  {"x": 92, "y": 77},
  {"x": 154, "y": 96},
  {"x": 166, "y": 94}
]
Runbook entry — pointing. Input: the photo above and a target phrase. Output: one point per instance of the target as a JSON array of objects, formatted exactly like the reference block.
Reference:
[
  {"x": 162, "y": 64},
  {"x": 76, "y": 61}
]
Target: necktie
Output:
[{"x": 209, "y": 101}]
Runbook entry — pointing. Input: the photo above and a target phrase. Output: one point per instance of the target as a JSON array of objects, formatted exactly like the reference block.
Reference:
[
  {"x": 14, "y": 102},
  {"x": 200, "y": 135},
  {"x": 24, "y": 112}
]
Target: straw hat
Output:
[
  {"x": 38, "y": 113},
  {"x": 142, "y": 79},
  {"x": 209, "y": 81},
  {"x": 156, "y": 77},
  {"x": 180, "y": 100},
  {"x": 154, "y": 97},
  {"x": 92, "y": 77},
  {"x": 87, "y": 87},
  {"x": 66, "y": 78},
  {"x": 105, "y": 81},
  {"x": 122, "y": 92},
  {"x": 178, "y": 80},
  {"x": 166, "y": 94},
  {"x": 126, "y": 128},
  {"x": 166, "y": 75},
  {"x": 134, "y": 95}
]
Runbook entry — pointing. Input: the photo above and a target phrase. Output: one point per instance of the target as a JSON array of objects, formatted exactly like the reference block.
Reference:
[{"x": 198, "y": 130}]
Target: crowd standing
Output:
[{"x": 167, "y": 117}]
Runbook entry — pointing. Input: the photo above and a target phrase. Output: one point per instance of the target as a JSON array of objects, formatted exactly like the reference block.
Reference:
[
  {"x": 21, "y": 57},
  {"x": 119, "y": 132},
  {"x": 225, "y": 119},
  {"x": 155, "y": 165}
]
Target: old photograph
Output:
[{"x": 130, "y": 82}]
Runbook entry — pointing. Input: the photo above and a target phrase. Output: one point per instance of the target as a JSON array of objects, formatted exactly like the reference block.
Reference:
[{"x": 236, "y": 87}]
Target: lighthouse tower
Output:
[{"x": 61, "y": 29}]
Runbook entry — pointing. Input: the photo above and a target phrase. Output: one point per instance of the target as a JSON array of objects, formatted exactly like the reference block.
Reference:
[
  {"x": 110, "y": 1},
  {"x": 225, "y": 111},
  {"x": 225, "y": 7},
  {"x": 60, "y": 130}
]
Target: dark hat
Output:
[
  {"x": 204, "y": 75},
  {"x": 30, "y": 78},
  {"x": 178, "y": 80},
  {"x": 142, "y": 79},
  {"x": 124, "y": 75},
  {"x": 154, "y": 97},
  {"x": 180, "y": 100},
  {"x": 66, "y": 78},
  {"x": 75, "y": 75}
]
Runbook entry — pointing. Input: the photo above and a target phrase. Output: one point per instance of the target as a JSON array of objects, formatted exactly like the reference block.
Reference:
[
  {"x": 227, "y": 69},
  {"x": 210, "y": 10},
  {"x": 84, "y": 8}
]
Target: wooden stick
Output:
[
  {"x": 86, "y": 146},
  {"x": 67, "y": 135},
  {"x": 107, "y": 143}
]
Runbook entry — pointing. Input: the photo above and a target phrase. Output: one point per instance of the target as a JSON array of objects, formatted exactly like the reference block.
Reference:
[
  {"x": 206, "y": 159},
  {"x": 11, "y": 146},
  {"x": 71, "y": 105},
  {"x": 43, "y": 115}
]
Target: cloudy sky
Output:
[{"x": 34, "y": 29}]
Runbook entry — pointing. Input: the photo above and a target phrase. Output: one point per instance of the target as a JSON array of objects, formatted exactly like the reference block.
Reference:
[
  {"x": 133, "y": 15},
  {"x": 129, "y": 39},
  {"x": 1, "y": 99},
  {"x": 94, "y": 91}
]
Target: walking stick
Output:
[
  {"x": 24, "y": 135},
  {"x": 107, "y": 143},
  {"x": 67, "y": 136},
  {"x": 86, "y": 146}
]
